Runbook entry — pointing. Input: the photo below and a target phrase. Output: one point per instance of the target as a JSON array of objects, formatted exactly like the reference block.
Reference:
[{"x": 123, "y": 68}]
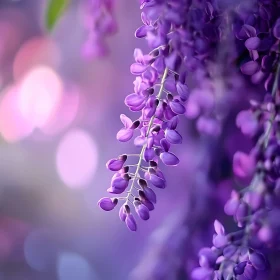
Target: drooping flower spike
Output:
[
  {"x": 99, "y": 22},
  {"x": 239, "y": 255},
  {"x": 159, "y": 95}
]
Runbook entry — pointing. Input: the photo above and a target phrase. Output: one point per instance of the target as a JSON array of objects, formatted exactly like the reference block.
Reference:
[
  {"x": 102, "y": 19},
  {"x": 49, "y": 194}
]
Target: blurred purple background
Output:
[{"x": 59, "y": 113}]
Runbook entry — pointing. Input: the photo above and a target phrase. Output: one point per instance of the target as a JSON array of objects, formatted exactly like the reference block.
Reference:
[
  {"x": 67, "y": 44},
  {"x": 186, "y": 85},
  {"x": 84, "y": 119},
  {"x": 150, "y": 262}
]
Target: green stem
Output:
[{"x": 138, "y": 168}]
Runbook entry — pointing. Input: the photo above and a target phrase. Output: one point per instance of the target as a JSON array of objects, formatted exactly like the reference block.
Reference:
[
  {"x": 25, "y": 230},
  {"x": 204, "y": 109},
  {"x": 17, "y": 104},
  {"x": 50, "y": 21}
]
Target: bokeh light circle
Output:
[
  {"x": 40, "y": 250},
  {"x": 13, "y": 126},
  {"x": 34, "y": 52},
  {"x": 39, "y": 95},
  {"x": 72, "y": 266},
  {"x": 65, "y": 113},
  {"x": 76, "y": 158}
]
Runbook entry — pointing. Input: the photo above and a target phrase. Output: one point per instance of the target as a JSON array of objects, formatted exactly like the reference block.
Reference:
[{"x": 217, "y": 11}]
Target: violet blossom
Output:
[
  {"x": 239, "y": 254},
  {"x": 159, "y": 94},
  {"x": 99, "y": 22}
]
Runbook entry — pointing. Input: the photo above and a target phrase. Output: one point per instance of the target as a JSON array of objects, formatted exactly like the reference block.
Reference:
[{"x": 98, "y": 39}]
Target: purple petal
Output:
[
  {"x": 157, "y": 181},
  {"x": 249, "y": 30},
  {"x": 125, "y": 135},
  {"x": 134, "y": 100},
  {"x": 254, "y": 199},
  {"x": 250, "y": 68},
  {"x": 258, "y": 261},
  {"x": 159, "y": 64},
  {"x": 252, "y": 43},
  {"x": 219, "y": 228},
  {"x": 150, "y": 142},
  {"x": 250, "y": 272},
  {"x": 130, "y": 222},
  {"x": 183, "y": 91},
  {"x": 247, "y": 122},
  {"x": 254, "y": 54},
  {"x": 258, "y": 77},
  {"x": 169, "y": 159},
  {"x": 170, "y": 85},
  {"x": 107, "y": 203},
  {"x": 127, "y": 122},
  {"x": 150, "y": 75},
  {"x": 239, "y": 268},
  {"x": 266, "y": 234},
  {"x": 150, "y": 194},
  {"x": 207, "y": 257},
  {"x": 142, "y": 211},
  {"x": 168, "y": 113},
  {"x": 231, "y": 206},
  {"x": 142, "y": 31},
  {"x": 140, "y": 141},
  {"x": 154, "y": 40},
  {"x": 172, "y": 124},
  {"x": 122, "y": 213},
  {"x": 137, "y": 108},
  {"x": 220, "y": 241},
  {"x": 137, "y": 68},
  {"x": 243, "y": 165},
  {"x": 245, "y": 32},
  {"x": 173, "y": 61},
  {"x": 177, "y": 107},
  {"x": 150, "y": 111},
  {"x": 118, "y": 185},
  {"x": 165, "y": 144},
  {"x": 149, "y": 154},
  {"x": 173, "y": 137},
  {"x": 148, "y": 204},
  {"x": 115, "y": 164},
  {"x": 138, "y": 55},
  {"x": 241, "y": 213},
  {"x": 145, "y": 19}
]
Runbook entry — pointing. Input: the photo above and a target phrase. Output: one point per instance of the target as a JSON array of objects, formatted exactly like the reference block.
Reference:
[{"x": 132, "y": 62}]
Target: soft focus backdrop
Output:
[{"x": 59, "y": 113}]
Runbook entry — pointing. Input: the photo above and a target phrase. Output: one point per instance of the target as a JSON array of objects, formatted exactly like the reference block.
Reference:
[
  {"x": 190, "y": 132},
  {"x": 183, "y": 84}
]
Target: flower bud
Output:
[
  {"x": 107, "y": 203},
  {"x": 117, "y": 163},
  {"x": 130, "y": 222},
  {"x": 141, "y": 210}
]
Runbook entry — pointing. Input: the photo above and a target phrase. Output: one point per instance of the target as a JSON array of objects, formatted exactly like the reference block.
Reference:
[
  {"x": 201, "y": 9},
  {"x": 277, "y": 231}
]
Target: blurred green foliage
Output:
[{"x": 55, "y": 10}]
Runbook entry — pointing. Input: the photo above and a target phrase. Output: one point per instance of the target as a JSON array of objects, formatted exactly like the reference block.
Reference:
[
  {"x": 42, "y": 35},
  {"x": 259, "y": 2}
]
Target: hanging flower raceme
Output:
[
  {"x": 159, "y": 94},
  {"x": 239, "y": 255},
  {"x": 99, "y": 23}
]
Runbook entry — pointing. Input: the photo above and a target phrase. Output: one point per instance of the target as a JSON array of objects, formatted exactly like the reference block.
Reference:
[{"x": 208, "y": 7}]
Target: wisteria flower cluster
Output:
[
  {"x": 214, "y": 47},
  {"x": 239, "y": 255},
  {"x": 159, "y": 94},
  {"x": 99, "y": 23}
]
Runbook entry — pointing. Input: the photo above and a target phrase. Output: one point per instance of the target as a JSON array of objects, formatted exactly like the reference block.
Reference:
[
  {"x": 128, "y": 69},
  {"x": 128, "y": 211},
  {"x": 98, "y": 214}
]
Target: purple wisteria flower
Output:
[
  {"x": 159, "y": 95},
  {"x": 239, "y": 255},
  {"x": 99, "y": 22}
]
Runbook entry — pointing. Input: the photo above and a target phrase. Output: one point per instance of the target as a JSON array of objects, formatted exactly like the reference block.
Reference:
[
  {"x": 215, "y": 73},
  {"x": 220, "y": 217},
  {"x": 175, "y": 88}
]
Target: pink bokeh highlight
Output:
[
  {"x": 39, "y": 95},
  {"x": 76, "y": 159},
  {"x": 66, "y": 112},
  {"x": 13, "y": 127},
  {"x": 35, "y": 52}
]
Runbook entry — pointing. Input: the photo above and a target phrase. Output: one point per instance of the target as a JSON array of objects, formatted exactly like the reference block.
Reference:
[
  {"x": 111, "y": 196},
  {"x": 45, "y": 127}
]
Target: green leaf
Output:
[{"x": 55, "y": 10}]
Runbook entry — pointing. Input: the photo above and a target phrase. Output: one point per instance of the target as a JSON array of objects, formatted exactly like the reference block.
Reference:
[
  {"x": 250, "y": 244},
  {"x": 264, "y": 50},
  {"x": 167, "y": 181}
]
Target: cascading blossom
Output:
[
  {"x": 240, "y": 254},
  {"x": 189, "y": 40},
  {"x": 99, "y": 22},
  {"x": 159, "y": 94}
]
